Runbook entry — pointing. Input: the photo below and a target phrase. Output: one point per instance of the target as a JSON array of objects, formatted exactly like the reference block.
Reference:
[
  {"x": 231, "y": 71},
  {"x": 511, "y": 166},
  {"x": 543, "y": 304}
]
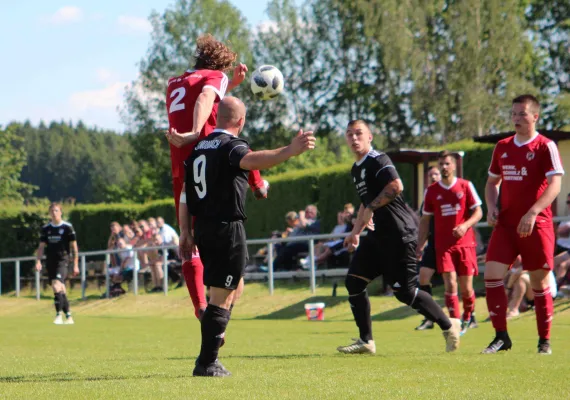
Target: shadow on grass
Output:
[
  {"x": 254, "y": 357},
  {"x": 399, "y": 313},
  {"x": 298, "y": 309},
  {"x": 70, "y": 377}
]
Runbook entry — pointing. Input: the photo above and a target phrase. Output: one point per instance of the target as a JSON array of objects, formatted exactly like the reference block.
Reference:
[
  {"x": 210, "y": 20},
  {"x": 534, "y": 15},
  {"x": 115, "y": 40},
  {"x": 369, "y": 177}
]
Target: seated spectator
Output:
[
  {"x": 129, "y": 235},
  {"x": 116, "y": 234},
  {"x": 520, "y": 293},
  {"x": 129, "y": 264},
  {"x": 147, "y": 233},
  {"x": 308, "y": 225},
  {"x": 153, "y": 261},
  {"x": 334, "y": 249}
]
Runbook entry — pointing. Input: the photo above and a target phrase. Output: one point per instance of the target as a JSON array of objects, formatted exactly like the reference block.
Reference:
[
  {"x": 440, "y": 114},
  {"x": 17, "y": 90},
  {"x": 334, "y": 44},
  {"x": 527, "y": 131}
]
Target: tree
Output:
[{"x": 12, "y": 160}]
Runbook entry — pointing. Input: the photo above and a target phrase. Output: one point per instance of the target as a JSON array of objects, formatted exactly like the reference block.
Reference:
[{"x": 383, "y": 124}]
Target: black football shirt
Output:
[
  {"x": 370, "y": 175},
  {"x": 57, "y": 239},
  {"x": 216, "y": 186}
]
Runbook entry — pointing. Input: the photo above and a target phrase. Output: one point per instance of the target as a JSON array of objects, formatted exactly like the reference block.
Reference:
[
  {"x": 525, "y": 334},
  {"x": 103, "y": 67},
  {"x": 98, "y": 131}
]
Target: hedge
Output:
[{"x": 329, "y": 188}]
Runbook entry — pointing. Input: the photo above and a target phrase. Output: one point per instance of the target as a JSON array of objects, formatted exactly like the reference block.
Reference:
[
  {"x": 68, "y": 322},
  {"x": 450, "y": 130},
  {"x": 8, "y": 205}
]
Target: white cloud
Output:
[
  {"x": 104, "y": 75},
  {"x": 266, "y": 27},
  {"x": 134, "y": 24},
  {"x": 107, "y": 98},
  {"x": 67, "y": 14}
]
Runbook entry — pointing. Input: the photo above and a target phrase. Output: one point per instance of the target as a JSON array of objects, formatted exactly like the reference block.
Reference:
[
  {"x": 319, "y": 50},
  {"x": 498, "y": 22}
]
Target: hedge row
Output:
[{"x": 329, "y": 188}]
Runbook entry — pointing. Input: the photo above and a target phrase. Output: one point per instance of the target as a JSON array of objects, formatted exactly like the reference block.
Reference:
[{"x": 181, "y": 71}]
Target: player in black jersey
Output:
[
  {"x": 214, "y": 194},
  {"x": 428, "y": 263},
  {"x": 390, "y": 250},
  {"x": 58, "y": 240}
]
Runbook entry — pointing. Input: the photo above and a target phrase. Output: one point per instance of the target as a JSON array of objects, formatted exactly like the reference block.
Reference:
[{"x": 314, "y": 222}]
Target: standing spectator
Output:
[{"x": 58, "y": 239}]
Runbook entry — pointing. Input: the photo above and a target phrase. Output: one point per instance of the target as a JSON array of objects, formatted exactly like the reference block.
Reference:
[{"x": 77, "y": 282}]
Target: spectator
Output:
[
  {"x": 152, "y": 224},
  {"x": 520, "y": 293},
  {"x": 129, "y": 264},
  {"x": 129, "y": 235},
  {"x": 169, "y": 235},
  {"x": 154, "y": 262},
  {"x": 147, "y": 233},
  {"x": 333, "y": 250},
  {"x": 308, "y": 225},
  {"x": 116, "y": 234}
]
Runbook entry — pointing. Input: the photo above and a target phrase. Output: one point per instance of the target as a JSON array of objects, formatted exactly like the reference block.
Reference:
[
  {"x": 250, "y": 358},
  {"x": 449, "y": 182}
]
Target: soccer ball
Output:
[{"x": 266, "y": 82}]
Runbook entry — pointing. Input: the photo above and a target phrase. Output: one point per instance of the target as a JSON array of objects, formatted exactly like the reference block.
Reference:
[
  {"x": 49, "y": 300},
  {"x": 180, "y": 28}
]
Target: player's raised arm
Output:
[{"x": 265, "y": 159}]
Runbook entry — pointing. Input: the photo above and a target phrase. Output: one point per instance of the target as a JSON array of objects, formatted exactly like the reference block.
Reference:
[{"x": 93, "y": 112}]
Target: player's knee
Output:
[
  {"x": 406, "y": 296},
  {"x": 355, "y": 285}
]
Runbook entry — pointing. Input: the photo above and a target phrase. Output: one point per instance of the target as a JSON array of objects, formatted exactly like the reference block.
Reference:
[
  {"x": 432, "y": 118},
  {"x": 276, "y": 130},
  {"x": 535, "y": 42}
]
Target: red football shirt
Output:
[
  {"x": 450, "y": 206},
  {"x": 523, "y": 168},
  {"x": 181, "y": 96}
]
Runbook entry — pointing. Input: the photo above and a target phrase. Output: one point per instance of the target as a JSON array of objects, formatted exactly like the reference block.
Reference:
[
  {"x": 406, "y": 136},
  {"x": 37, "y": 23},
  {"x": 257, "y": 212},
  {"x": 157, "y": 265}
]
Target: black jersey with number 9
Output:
[{"x": 216, "y": 186}]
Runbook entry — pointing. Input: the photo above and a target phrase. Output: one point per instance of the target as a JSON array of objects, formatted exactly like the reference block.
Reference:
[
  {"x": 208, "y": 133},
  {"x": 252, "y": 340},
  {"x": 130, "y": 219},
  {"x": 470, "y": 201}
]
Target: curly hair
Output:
[{"x": 212, "y": 54}]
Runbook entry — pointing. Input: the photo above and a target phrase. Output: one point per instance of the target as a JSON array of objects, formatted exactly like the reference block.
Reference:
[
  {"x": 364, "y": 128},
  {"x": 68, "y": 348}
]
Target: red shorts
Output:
[
  {"x": 462, "y": 260},
  {"x": 536, "y": 250}
]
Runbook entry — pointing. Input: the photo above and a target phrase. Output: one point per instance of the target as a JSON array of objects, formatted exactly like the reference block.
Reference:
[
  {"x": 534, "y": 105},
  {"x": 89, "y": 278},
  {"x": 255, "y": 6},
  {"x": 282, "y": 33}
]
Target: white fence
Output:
[{"x": 270, "y": 275}]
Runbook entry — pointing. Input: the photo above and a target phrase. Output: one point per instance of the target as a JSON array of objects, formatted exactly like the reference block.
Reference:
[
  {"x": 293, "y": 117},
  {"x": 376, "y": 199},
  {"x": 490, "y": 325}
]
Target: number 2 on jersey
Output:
[
  {"x": 199, "y": 169},
  {"x": 176, "y": 104}
]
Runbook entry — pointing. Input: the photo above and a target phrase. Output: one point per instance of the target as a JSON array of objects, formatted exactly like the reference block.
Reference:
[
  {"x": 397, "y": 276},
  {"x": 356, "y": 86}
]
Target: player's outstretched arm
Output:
[
  {"x": 238, "y": 77},
  {"x": 265, "y": 159},
  {"x": 491, "y": 197}
]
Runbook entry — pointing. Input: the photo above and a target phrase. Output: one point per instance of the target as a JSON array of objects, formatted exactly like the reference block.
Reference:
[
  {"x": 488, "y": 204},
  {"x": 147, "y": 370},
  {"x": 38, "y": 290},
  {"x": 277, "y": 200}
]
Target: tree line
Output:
[{"x": 421, "y": 73}]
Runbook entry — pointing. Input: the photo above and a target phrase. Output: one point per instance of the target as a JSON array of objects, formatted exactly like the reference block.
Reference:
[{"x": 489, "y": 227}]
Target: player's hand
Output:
[
  {"x": 526, "y": 225},
  {"x": 186, "y": 246},
  {"x": 459, "y": 231},
  {"x": 180, "y": 139},
  {"x": 38, "y": 265},
  {"x": 239, "y": 74},
  {"x": 419, "y": 252},
  {"x": 303, "y": 142},
  {"x": 492, "y": 217},
  {"x": 75, "y": 270},
  {"x": 351, "y": 242}
]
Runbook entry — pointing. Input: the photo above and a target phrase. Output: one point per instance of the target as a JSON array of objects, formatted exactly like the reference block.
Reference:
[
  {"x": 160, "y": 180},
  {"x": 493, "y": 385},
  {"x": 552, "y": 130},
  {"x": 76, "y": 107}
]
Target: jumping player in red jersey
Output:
[
  {"x": 456, "y": 207},
  {"x": 192, "y": 105},
  {"x": 528, "y": 168}
]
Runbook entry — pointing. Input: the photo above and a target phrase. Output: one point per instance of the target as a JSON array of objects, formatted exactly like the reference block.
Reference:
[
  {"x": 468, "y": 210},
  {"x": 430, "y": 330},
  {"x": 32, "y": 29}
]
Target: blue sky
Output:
[{"x": 71, "y": 59}]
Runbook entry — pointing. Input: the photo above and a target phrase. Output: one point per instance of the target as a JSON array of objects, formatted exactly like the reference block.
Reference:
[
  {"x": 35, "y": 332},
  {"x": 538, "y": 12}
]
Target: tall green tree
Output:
[{"x": 12, "y": 161}]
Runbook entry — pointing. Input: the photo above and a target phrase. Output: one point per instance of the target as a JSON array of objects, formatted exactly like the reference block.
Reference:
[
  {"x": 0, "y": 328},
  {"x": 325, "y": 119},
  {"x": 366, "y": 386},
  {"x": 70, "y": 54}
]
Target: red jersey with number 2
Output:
[{"x": 181, "y": 96}]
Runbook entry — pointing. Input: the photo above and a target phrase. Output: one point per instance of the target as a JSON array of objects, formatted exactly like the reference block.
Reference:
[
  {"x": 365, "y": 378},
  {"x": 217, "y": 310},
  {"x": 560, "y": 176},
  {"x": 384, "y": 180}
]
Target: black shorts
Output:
[
  {"x": 428, "y": 258},
  {"x": 395, "y": 260},
  {"x": 223, "y": 252},
  {"x": 58, "y": 271}
]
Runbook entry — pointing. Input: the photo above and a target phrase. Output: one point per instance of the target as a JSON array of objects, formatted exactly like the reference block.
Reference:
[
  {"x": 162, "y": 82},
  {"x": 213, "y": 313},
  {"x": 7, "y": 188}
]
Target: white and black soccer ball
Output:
[{"x": 266, "y": 82}]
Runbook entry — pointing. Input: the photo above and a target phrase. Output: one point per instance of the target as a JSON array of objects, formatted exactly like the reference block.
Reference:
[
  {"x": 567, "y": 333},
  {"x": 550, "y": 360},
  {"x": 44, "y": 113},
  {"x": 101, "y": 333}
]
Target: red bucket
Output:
[{"x": 315, "y": 311}]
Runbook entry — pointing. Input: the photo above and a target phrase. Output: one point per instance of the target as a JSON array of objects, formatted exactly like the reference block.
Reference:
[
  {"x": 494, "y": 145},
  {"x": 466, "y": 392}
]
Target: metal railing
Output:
[{"x": 107, "y": 253}]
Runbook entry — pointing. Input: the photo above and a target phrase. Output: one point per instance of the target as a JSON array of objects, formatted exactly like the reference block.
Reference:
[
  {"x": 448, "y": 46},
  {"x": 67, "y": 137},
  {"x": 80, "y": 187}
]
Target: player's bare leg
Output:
[
  {"x": 543, "y": 307},
  {"x": 497, "y": 305},
  {"x": 360, "y": 307},
  {"x": 214, "y": 323},
  {"x": 468, "y": 297},
  {"x": 425, "y": 284}
]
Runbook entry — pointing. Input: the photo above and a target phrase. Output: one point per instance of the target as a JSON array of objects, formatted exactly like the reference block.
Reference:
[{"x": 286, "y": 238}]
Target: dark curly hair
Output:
[{"x": 212, "y": 54}]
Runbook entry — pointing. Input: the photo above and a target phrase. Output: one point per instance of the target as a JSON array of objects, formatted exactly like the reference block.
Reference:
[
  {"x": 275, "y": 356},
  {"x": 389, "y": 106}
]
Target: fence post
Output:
[
  {"x": 270, "y": 266},
  {"x": 135, "y": 275},
  {"x": 107, "y": 279},
  {"x": 38, "y": 285},
  {"x": 165, "y": 271},
  {"x": 18, "y": 278},
  {"x": 312, "y": 260},
  {"x": 83, "y": 277}
]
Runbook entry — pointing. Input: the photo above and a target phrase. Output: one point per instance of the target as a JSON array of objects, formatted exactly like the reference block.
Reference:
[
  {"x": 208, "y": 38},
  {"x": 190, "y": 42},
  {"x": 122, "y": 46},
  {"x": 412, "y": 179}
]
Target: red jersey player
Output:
[
  {"x": 528, "y": 168},
  {"x": 456, "y": 207},
  {"x": 192, "y": 105}
]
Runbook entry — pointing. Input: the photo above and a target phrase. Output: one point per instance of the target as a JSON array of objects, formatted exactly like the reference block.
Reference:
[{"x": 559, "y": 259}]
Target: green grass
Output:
[{"x": 145, "y": 347}]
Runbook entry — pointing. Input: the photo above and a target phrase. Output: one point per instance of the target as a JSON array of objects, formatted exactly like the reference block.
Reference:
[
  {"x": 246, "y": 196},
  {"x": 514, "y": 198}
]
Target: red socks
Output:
[
  {"x": 497, "y": 303},
  {"x": 452, "y": 304},
  {"x": 468, "y": 306},
  {"x": 193, "y": 272},
  {"x": 544, "y": 309}
]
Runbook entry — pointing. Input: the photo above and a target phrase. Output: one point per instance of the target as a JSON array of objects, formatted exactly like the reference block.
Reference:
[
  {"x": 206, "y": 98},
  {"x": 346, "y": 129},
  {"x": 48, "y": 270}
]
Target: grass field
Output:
[{"x": 145, "y": 347}]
